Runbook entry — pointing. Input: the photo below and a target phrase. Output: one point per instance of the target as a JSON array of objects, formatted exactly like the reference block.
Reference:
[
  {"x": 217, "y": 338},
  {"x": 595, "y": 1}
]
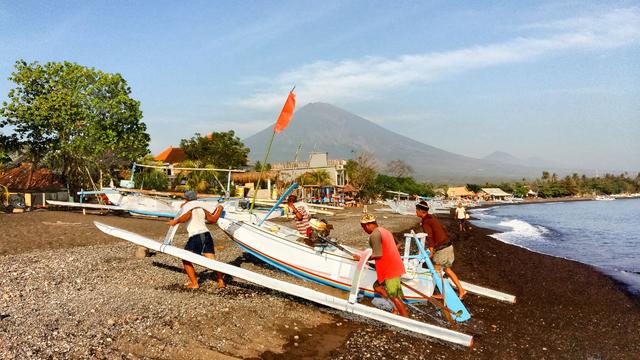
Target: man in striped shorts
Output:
[{"x": 301, "y": 213}]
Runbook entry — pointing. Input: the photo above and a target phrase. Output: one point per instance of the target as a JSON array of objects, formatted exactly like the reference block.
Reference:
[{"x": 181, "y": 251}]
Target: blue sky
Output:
[{"x": 558, "y": 80}]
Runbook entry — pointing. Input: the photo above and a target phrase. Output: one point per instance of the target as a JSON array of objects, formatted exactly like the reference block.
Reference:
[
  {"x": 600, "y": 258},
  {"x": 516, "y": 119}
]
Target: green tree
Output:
[
  {"x": 202, "y": 181},
  {"x": 474, "y": 187},
  {"x": 362, "y": 173},
  {"x": 260, "y": 167},
  {"x": 221, "y": 149},
  {"x": 319, "y": 177},
  {"x": 74, "y": 118}
]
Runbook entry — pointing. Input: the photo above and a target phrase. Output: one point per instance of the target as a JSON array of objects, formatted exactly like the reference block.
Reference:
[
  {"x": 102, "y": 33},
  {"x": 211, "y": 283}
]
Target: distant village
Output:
[{"x": 321, "y": 180}]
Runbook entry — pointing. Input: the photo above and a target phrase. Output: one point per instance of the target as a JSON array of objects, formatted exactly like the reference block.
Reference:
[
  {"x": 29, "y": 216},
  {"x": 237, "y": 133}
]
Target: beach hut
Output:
[
  {"x": 459, "y": 192},
  {"x": 29, "y": 187},
  {"x": 248, "y": 180},
  {"x": 495, "y": 194}
]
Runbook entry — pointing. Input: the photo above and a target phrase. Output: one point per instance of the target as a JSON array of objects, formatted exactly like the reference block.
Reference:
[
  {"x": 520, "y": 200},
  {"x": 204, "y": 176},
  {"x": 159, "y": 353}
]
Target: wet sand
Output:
[{"x": 69, "y": 291}]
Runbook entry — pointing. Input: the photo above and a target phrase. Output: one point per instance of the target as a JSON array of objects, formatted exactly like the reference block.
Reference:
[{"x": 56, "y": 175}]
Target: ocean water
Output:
[{"x": 605, "y": 234}]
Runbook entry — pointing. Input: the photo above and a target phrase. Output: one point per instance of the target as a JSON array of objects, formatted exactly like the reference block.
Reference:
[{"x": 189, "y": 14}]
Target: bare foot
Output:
[
  {"x": 191, "y": 286},
  {"x": 221, "y": 284},
  {"x": 462, "y": 295}
]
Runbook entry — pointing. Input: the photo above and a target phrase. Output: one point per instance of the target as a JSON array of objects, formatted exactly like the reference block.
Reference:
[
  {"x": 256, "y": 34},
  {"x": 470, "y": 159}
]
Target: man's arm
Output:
[
  {"x": 183, "y": 218},
  {"x": 426, "y": 227},
  {"x": 295, "y": 211},
  {"x": 213, "y": 218}
]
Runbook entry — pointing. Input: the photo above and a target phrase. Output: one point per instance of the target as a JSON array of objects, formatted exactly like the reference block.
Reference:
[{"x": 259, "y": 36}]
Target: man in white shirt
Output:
[
  {"x": 200, "y": 239},
  {"x": 461, "y": 215}
]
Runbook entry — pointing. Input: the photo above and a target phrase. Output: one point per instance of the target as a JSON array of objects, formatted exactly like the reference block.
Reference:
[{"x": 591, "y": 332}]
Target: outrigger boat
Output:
[{"x": 291, "y": 289}]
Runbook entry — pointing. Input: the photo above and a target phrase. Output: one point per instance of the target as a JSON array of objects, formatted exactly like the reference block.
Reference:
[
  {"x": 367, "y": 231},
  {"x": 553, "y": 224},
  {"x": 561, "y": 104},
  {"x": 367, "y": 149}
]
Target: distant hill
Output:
[
  {"x": 327, "y": 128},
  {"x": 506, "y": 158}
]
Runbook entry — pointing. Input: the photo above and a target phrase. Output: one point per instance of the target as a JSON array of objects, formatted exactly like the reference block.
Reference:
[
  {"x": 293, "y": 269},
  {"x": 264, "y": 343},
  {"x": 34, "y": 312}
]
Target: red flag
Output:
[{"x": 286, "y": 113}]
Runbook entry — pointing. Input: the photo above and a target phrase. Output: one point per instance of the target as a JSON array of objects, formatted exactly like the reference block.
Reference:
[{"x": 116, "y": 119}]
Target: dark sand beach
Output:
[{"x": 68, "y": 291}]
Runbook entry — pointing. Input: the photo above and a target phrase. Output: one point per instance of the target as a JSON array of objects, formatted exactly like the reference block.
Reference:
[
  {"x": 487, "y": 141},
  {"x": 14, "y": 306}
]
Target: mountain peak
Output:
[{"x": 325, "y": 127}]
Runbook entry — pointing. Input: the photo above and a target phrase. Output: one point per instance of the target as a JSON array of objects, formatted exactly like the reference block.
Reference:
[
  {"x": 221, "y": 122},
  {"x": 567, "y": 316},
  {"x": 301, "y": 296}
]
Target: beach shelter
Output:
[
  {"x": 495, "y": 194},
  {"x": 459, "y": 192}
]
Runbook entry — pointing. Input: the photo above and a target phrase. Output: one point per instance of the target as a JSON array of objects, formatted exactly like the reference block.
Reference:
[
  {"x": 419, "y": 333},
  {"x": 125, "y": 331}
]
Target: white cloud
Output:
[{"x": 366, "y": 78}]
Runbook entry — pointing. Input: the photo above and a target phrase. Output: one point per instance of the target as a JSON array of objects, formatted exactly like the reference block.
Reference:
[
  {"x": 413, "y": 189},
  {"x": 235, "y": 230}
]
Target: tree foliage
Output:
[
  {"x": 399, "y": 168},
  {"x": 404, "y": 184},
  {"x": 318, "y": 177},
  {"x": 362, "y": 173},
  {"x": 73, "y": 117},
  {"x": 200, "y": 181},
  {"x": 220, "y": 149},
  {"x": 260, "y": 167}
]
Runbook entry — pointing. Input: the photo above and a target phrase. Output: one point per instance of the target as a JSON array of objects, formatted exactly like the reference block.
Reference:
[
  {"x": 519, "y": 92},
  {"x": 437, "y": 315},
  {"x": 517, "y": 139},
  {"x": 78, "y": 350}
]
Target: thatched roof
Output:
[
  {"x": 348, "y": 188},
  {"x": 459, "y": 191},
  {"x": 17, "y": 179},
  {"x": 252, "y": 176}
]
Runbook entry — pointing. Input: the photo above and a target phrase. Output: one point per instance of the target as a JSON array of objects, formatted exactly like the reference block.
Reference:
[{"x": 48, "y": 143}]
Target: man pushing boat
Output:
[
  {"x": 440, "y": 248},
  {"x": 389, "y": 266},
  {"x": 200, "y": 239}
]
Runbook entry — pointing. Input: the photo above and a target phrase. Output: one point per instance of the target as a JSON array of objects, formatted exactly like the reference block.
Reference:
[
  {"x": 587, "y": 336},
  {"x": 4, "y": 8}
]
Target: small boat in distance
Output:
[{"x": 604, "y": 198}]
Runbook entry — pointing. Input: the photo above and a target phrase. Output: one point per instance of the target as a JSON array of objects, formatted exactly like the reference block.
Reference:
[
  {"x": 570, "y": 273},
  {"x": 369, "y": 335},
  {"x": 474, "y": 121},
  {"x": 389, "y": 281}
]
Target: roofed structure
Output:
[
  {"x": 171, "y": 155},
  {"x": 252, "y": 176},
  {"x": 495, "y": 193},
  {"x": 459, "y": 191},
  {"x": 17, "y": 179}
]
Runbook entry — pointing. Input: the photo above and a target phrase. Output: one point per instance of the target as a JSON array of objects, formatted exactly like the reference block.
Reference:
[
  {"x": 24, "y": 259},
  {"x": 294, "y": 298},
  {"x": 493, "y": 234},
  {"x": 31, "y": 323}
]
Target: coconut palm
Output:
[{"x": 319, "y": 177}]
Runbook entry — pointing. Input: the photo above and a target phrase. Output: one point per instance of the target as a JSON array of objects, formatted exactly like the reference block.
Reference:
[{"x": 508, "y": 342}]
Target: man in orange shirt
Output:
[{"x": 389, "y": 266}]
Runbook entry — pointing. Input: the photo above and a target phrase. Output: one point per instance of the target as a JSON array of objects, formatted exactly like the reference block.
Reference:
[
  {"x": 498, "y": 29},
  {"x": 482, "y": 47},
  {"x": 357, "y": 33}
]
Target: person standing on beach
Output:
[
  {"x": 301, "y": 214},
  {"x": 461, "y": 216},
  {"x": 440, "y": 248},
  {"x": 389, "y": 266},
  {"x": 200, "y": 240}
]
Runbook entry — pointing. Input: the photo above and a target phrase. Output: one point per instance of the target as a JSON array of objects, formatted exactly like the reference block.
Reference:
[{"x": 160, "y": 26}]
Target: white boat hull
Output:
[{"x": 283, "y": 248}]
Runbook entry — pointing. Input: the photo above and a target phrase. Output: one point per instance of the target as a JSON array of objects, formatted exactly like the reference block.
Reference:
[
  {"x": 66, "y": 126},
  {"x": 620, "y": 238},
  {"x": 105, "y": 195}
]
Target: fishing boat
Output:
[
  {"x": 325, "y": 264},
  {"x": 349, "y": 306},
  {"x": 604, "y": 198},
  {"x": 333, "y": 264}
]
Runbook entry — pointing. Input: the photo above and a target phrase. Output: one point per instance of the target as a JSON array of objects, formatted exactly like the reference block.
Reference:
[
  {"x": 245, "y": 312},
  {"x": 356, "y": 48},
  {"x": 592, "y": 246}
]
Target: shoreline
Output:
[{"x": 624, "y": 287}]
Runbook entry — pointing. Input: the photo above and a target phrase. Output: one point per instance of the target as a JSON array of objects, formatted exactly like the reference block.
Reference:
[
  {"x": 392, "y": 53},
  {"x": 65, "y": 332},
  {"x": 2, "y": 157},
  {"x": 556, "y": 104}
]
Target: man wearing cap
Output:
[
  {"x": 200, "y": 239},
  {"x": 389, "y": 266},
  {"x": 440, "y": 249},
  {"x": 301, "y": 213}
]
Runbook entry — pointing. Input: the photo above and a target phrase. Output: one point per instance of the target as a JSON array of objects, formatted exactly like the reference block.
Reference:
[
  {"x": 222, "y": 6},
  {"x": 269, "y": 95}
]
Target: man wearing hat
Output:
[
  {"x": 389, "y": 266},
  {"x": 200, "y": 239},
  {"x": 440, "y": 248}
]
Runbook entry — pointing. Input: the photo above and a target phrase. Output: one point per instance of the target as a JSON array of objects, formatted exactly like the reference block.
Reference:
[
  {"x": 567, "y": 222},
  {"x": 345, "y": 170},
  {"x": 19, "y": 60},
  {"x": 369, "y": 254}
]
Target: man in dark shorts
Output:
[
  {"x": 440, "y": 249},
  {"x": 200, "y": 239},
  {"x": 389, "y": 266}
]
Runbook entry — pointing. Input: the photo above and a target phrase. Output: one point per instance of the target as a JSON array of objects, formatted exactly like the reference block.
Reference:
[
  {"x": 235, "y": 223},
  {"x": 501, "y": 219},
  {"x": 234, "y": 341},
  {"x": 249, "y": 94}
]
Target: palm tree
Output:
[{"x": 319, "y": 177}]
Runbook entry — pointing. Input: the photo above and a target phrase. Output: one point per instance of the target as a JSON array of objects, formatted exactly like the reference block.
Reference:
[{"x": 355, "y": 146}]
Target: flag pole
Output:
[
  {"x": 266, "y": 155},
  {"x": 264, "y": 166}
]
